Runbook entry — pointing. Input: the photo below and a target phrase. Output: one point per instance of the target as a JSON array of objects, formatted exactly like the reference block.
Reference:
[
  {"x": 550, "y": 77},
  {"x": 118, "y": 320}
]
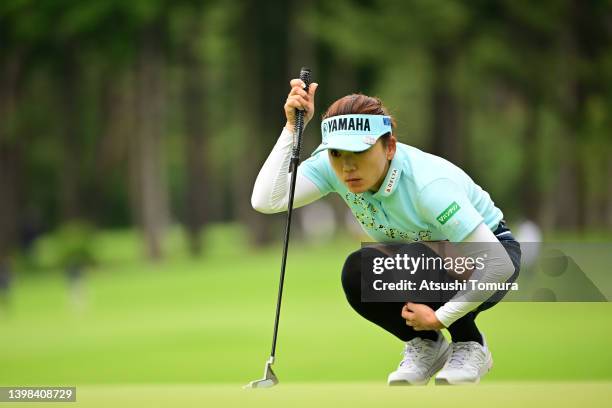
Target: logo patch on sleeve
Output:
[{"x": 448, "y": 213}]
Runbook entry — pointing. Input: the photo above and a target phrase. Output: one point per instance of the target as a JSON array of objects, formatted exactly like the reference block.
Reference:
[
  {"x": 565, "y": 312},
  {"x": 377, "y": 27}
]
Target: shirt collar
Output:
[{"x": 391, "y": 181}]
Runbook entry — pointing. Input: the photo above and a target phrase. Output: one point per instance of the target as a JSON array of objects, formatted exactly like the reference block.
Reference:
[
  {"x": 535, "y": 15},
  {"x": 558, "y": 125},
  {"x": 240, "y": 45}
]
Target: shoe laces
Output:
[
  {"x": 416, "y": 351},
  {"x": 462, "y": 353}
]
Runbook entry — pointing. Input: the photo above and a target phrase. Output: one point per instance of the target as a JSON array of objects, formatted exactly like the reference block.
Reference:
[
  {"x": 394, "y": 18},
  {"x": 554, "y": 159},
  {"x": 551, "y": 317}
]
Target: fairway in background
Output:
[{"x": 190, "y": 321}]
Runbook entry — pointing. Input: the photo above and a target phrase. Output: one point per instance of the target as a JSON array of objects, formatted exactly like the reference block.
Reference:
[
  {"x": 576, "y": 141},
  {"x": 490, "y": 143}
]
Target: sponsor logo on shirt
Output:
[
  {"x": 392, "y": 180},
  {"x": 448, "y": 213}
]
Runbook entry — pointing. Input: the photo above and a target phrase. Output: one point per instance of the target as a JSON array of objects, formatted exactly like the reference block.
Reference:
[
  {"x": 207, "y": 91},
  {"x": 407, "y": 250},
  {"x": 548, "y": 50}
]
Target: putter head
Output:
[{"x": 269, "y": 379}]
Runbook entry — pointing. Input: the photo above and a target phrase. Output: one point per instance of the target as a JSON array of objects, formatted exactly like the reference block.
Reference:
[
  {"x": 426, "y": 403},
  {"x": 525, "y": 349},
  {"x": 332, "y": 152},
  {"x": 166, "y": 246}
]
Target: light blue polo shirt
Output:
[{"x": 423, "y": 198}]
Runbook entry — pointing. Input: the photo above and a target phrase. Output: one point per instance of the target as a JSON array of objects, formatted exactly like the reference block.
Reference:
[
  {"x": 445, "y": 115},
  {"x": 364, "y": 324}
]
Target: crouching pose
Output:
[{"x": 398, "y": 193}]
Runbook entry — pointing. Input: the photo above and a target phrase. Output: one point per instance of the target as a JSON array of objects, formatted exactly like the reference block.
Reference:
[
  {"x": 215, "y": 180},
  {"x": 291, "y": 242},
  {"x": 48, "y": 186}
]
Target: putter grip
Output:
[{"x": 299, "y": 116}]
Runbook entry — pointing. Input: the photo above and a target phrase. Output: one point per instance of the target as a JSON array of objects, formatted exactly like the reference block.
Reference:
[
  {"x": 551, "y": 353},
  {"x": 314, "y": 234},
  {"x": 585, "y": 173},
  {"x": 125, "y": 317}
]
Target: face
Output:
[{"x": 363, "y": 171}]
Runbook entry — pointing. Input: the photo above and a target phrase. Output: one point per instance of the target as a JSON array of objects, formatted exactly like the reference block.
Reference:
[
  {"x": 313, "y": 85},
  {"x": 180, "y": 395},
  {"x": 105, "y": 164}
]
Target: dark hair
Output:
[{"x": 359, "y": 103}]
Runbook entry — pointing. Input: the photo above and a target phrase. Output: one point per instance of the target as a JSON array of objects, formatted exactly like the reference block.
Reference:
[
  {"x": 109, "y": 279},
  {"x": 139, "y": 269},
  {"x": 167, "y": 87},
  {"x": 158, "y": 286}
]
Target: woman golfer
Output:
[{"x": 398, "y": 193}]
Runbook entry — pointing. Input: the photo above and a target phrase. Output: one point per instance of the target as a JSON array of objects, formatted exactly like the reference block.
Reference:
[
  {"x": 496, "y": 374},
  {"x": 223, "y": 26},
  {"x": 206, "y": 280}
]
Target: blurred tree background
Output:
[{"x": 151, "y": 113}]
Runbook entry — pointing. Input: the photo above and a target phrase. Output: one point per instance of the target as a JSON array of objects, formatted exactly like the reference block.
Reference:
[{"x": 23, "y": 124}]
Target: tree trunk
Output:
[
  {"x": 570, "y": 194},
  {"x": 608, "y": 189},
  {"x": 198, "y": 188},
  {"x": 302, "y": 47},
  {"x": 147, "y": 149},
  {"x": 265, "y": 59},
  {"x": 10, "y": 155},
  {"x": 530, "y": 197},
  {"x": 446, "y": 127},
  {"x": 72, "y": 146},
  {"x": 579, "y": 49},
  {"x": 112, "y": 148}
]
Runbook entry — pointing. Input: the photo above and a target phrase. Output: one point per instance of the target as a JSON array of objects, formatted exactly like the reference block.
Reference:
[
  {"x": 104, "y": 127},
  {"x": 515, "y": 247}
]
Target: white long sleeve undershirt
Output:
[
  {"x": 497, "y": 268},
  {"x": 270, "y": 193}
]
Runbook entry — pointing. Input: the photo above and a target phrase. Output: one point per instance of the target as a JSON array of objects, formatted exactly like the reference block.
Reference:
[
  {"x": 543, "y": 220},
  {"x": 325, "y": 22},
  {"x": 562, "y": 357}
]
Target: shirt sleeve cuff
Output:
[
  {"x": 444, "y": 317},
  {"x": 450, "y": 312}
]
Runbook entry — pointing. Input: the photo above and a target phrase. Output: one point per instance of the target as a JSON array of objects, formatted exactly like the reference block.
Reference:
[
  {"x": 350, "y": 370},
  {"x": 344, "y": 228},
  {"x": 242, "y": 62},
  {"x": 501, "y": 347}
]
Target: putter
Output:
[{"x": 269, "y": 379}]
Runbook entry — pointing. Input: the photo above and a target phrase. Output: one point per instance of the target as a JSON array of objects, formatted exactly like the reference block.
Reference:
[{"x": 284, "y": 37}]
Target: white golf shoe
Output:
[
  {"x": 422, "y": 358},
  {"x": 468, "y": 362}
]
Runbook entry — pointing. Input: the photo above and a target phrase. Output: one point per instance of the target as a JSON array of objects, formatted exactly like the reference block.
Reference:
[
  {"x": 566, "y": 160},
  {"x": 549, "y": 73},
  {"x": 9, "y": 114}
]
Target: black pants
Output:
[{"x": 388, "y": 314}]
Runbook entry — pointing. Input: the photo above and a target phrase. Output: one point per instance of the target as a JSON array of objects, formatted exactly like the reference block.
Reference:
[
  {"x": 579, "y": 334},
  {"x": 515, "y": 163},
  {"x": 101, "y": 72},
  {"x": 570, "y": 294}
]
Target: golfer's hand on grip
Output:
[{"x": 298, "y": 98}]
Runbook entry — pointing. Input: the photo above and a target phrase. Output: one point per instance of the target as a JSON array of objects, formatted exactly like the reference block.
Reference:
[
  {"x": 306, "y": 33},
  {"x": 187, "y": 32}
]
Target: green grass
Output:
[
  {"x": 296, "y": 395},
  {"x": 197, "y": 329}
]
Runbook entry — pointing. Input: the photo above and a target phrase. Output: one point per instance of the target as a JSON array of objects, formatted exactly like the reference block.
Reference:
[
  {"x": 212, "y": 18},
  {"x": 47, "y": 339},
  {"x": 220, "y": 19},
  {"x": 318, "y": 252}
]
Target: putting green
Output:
[
  {"x": 209, "y": 321},
  {"x": 367, "y": 394}
]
